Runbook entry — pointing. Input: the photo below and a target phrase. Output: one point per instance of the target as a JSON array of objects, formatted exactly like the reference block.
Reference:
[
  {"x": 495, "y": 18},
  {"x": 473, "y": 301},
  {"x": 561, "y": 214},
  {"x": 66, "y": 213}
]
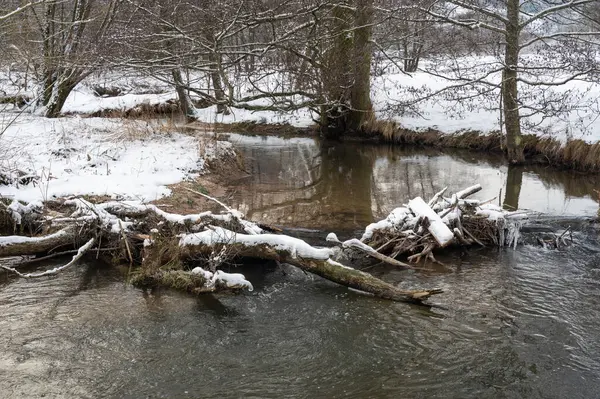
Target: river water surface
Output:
[{"x": 519, "y": 323}]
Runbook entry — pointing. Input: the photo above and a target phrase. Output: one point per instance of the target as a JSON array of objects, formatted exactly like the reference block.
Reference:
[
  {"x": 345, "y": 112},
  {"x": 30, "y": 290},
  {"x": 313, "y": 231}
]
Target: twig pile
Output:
[{"x": 418, "y": 228}]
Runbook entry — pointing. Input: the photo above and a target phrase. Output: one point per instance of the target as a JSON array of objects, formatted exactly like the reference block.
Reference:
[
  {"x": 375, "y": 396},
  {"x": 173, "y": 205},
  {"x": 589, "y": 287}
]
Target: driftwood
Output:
[
  {"x": 420, "y": 228},
  {"x": 297, "y": 253},
  {"x": 186, "y": 251},
  {"x": 19, "y": 245},
  {"x": 148, "y": 237}
]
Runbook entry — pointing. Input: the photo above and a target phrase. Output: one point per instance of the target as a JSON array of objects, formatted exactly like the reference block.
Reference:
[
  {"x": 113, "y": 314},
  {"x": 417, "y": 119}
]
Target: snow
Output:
[
  {"x": 332, "y": 237},
  {"x": 353, "y": 242},
  {"x": 390, "y": 88},
  {"x": 218, "y": 235},
  {"x": 232, "y": 280},
  {"x": 83, "y": 101},
  {"x": 204, "y": 273},
  {"x": 6, "y": 241},
  {"x": 442, "y": 234},
  {"x": 491, "y": 211},
  {"x": 396, "y": 219},
  {"x": 170, "y": 217},
  {"x": 18, "y": 210},
  {"x": 91, "y": 156},
  {"x": 229, "y": 280}
]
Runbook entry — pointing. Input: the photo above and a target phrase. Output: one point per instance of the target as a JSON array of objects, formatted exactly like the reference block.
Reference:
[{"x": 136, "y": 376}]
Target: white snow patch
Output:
[
  {"x": 332, "y": 237},
  {"x": 218, "y": 235},
  {"x": 10, "y": 240},
  {"x": 398, "y": 219},
  {"x": 77, "y": 156},
  {"x": 204, "y": 273},
  {"x": 232, "y": 280}
]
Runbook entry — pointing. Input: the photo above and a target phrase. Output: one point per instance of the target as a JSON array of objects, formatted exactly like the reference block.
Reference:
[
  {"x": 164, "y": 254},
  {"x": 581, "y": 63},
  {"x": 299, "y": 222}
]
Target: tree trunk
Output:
[
  {"x": 18, "y": 245},
  {"x": 185, "y": 103},
  {"x": 362, "y": 108},
  {"x": 336, "y": 74},
  {"x": 510, "y": 93},
  {"x": 59, "y": 92},
  {"x": 266, "y": 246},
  {"x": 215, "y": 77}
]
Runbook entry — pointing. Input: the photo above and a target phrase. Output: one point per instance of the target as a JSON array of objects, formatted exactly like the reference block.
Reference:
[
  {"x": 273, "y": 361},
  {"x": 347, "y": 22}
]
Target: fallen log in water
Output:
[
  {"x": 166, "y": 257},
  {"x": 186, "y": 251}
]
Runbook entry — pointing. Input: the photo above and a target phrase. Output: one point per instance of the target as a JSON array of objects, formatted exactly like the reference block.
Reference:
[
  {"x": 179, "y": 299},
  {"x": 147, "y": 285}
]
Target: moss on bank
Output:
[{"x": 179, "y": 280}]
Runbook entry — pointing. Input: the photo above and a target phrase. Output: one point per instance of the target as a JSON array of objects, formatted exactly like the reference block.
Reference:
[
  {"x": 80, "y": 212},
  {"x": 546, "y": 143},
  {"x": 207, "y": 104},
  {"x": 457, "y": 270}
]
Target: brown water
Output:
[
  {"x": 297, "y": 182},
  {"x": 512, "y": 324}
]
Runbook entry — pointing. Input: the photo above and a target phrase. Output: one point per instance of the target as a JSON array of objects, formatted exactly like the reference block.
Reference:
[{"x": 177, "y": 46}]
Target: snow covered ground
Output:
[
  {"x": 95, "y": 156},
  {"x": 390, "y": 88}
]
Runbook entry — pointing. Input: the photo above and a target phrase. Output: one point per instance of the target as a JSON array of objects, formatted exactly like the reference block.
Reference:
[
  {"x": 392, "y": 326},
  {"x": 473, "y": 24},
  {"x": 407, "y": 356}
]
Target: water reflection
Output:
[
  {"x": 344, "y": 186},
  {"x": 514, "y": 181}
]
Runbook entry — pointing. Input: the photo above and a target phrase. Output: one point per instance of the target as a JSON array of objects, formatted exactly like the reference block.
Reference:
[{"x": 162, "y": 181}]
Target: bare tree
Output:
[
  {"x": 67, "y": 36},
  {"x": 521, "y": 26}
]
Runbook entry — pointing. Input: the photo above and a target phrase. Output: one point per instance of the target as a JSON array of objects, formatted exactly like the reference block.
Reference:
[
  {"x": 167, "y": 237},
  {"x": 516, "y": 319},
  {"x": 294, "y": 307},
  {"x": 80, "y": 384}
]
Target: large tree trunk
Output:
[
  {"x": 185, "y": 103},
  {"x": 337, "y": 74},
  {"x": 510, "y": 93},
  {"x": 59, "y": 91},
  {"x": 360, "y": 94},
  {"x": 297, "y": 253},
  {"x": 217, "y": 84}
]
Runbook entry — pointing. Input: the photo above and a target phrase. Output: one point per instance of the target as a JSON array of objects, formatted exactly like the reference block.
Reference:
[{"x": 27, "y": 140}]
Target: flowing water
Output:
[{"x": 511, "y": 324}]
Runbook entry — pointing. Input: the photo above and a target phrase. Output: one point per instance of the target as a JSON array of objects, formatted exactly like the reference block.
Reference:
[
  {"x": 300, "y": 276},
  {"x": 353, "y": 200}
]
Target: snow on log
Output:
[
  {"x": 468, "y": 191},
  {"x": 297, "y": 253},
  {"x": 20, "y": 245},
  {"x": 227, "y": 280},
  {"x": 438, "y": 229},
  {"x": 86, "y": 247}
]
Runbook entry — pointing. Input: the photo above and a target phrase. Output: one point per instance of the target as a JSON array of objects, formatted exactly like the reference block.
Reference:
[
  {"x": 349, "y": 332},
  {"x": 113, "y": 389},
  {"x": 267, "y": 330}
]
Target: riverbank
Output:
[
  {"x": 574, "y": 154},
  {"x": 44, "y": 159}
]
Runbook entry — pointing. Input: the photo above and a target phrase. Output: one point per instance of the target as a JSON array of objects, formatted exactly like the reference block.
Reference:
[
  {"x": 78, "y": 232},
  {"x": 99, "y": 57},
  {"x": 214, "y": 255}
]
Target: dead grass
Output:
[
  {"x": 169, "y": 108},
  {"x": 265, "y": 129},
  {"x": 575, "y": 154}
]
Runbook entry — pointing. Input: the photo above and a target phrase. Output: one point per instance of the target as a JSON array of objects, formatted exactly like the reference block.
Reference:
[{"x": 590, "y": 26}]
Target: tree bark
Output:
[
  {"x": 264, "y": 247},
  {"x": 185, "y": 103},
  {"x": 217, "y": 84},
  {"x": 512, "y": 121},
  {"x": 336, "y": 74},
  {"x": 360, "y": 94},
  {"x": 59, "y": 92},
  {"x": 19, "y": 245}
]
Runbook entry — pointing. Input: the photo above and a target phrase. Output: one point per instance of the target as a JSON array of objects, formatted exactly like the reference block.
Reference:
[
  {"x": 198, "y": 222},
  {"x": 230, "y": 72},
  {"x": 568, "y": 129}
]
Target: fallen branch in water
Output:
[
  {"x": 420, "y": 228},
  {"x": 186, "y": 251},
  {"x": 56, "y": 270}
]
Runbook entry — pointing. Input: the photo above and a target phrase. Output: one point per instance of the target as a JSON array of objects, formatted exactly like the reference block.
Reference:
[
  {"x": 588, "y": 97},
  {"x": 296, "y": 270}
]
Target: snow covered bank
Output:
[
  {"x": 577, "y": 100},
  {"x": 93, "y": 156}
]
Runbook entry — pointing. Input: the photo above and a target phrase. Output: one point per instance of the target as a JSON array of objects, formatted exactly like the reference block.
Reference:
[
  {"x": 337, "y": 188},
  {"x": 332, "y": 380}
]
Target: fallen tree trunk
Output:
[
  {"x": 19, "y": 245},
  {"x": 170, "y": 261},
  {"x": 166, "y": 248},
  {"x": 297, "y": 253}
]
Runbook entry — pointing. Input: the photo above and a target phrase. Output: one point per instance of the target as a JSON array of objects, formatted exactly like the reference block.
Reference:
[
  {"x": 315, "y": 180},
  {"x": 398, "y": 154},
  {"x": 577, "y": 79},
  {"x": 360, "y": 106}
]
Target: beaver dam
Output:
[{"x": 186, "y": 252}]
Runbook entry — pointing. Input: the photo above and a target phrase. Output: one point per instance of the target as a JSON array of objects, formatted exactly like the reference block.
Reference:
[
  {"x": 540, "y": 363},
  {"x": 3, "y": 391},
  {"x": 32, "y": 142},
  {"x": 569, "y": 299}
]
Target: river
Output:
[{"x": 512, "y": 323}]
